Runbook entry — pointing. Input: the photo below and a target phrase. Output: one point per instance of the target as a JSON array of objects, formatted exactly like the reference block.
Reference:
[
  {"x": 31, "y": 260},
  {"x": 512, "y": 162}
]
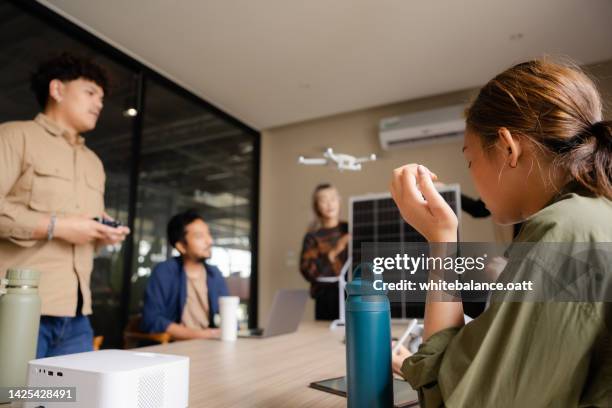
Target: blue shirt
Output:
[{"x": 166, "y": 294}]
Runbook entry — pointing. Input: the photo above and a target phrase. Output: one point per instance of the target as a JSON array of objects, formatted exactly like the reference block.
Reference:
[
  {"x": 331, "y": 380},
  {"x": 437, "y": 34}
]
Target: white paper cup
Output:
[{"x": 228, "y": 309}]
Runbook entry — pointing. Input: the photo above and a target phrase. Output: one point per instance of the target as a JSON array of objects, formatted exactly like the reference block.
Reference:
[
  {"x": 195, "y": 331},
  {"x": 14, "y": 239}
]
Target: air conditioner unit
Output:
[{"x": 421, "y": 127}]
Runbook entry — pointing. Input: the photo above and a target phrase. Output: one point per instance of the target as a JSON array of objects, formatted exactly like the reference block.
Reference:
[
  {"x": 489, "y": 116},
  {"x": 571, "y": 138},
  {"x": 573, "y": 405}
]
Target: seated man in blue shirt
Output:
[{"x": 182, "y": 294}]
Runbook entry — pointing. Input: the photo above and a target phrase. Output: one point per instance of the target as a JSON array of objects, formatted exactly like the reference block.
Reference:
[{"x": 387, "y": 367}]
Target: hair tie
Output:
[
  {"x": 601, "y": 130},
  {"x": 598, "y": 130}
]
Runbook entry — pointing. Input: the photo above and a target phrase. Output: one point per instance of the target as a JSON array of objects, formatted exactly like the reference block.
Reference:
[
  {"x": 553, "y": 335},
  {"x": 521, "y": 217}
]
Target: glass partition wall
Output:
[
  {"x": 175, "y": 152},
  {"x": 192, "y": 159}
]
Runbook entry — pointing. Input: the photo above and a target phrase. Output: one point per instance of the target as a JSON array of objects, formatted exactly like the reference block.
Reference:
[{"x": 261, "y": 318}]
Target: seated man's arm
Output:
[
  {"x": 155, "y": 318},
  {"x": 180, "y": 332}
]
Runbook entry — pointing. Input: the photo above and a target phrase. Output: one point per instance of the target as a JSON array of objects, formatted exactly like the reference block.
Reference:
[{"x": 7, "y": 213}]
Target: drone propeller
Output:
[
  {"x": 371, "y": 157},
  {"x": 312, "y": 161}
]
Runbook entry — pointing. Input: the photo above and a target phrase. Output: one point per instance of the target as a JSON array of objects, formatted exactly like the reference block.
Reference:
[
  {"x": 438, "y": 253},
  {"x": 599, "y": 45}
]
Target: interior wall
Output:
[{"x": 286, "y": 186}]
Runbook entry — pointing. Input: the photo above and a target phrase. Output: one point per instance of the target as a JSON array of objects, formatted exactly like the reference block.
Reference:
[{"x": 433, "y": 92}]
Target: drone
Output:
[{"x": 342, "y": 161}]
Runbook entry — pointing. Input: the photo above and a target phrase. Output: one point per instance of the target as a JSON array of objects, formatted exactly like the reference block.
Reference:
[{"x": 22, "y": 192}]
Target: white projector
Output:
[{"x": 113, "y": 379}]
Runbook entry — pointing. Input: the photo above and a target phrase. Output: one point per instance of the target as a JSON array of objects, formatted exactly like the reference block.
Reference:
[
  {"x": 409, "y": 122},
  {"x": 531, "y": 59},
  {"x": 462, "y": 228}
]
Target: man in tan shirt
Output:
[{"x": 51, "y": 188}]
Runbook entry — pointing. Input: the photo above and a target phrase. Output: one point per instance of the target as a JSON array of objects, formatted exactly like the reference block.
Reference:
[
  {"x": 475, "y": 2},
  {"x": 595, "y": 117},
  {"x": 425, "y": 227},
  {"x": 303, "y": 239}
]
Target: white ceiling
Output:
[{"x": 275, "y": 62}]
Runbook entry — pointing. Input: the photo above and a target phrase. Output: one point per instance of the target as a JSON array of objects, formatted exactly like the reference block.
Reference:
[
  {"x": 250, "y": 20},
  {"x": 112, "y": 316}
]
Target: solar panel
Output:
[{"x": 374, "y": 218}]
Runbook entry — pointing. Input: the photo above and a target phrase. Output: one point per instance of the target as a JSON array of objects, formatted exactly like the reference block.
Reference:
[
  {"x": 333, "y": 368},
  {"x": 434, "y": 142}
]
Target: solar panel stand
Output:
[{"x": 340, "y": 321}]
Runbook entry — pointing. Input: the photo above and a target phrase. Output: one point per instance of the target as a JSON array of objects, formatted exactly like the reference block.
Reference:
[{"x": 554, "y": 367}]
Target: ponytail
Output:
[{"x": 588, "y": 158}]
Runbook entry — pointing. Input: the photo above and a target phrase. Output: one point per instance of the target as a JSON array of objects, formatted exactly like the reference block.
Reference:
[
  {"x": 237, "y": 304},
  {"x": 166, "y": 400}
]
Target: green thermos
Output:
[{"x": 19, "y": 321}]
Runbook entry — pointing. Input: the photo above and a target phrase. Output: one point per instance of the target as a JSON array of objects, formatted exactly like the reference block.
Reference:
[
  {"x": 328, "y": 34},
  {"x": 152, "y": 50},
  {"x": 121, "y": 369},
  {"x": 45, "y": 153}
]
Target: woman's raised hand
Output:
[{"x": 420, "y": 204}]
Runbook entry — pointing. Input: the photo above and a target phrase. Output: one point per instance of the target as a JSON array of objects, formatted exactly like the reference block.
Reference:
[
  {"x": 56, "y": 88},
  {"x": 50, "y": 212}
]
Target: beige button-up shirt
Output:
[{"x": 45, "y": 171}]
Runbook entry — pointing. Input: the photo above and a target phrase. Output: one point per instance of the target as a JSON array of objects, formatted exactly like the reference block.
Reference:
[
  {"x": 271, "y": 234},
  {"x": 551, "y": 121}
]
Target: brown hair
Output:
[{"x": 557, "y": 106}]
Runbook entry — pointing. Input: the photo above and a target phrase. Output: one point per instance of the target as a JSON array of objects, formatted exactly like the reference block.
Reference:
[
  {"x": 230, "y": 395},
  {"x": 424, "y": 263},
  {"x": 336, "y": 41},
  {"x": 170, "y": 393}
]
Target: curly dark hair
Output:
[{"x": 65, "y": 67}]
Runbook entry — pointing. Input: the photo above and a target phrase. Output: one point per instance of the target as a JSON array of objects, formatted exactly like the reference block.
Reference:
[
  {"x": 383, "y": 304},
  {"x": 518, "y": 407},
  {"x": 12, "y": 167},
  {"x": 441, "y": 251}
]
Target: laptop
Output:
[{"x": 285, "y": 315}]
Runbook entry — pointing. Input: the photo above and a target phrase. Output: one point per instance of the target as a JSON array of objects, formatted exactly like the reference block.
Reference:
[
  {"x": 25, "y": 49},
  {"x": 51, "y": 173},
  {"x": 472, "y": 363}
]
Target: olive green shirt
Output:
[{"x": 527, "y": 354}]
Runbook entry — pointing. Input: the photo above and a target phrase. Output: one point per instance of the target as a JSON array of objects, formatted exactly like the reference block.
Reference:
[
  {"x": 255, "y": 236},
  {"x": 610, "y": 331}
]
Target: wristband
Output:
[{"x": 51, "y": 227}]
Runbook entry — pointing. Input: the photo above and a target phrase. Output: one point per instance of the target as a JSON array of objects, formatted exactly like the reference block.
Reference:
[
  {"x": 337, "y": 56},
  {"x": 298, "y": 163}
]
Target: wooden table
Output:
[{"x": 273, "y": 372}]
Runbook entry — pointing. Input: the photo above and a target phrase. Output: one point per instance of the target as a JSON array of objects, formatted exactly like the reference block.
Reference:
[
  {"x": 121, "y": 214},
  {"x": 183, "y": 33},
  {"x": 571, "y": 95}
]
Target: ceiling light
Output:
[
  {"x": 218, "y": 176},
  {"x": 130, "y": 112},
  {"x": 246, "y": 148}
]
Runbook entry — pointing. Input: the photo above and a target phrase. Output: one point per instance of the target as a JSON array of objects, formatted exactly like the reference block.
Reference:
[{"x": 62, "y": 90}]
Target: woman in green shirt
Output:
[{"x": 538, "y": 152}]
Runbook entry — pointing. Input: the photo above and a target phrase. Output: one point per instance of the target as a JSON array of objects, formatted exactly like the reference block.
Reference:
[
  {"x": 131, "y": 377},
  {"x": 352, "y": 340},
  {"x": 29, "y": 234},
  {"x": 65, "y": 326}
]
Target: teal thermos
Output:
[{"x": 368, "y": 346}]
